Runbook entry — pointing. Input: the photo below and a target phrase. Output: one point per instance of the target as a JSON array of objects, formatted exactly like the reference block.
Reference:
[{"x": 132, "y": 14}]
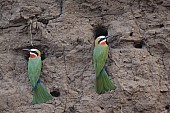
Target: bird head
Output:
[
  {"x": 33, "y": 53},
  {"x": 101, "y": 40}
]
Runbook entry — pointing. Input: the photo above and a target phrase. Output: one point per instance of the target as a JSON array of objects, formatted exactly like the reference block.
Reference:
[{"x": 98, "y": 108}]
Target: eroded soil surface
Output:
[{"x": 139, "y": 60}]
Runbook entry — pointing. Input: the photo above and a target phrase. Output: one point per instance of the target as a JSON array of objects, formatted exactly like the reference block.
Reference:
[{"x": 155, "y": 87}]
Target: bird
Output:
[
  {"x": 100, "y": 55},
  {"x": 40, "y": 94}
]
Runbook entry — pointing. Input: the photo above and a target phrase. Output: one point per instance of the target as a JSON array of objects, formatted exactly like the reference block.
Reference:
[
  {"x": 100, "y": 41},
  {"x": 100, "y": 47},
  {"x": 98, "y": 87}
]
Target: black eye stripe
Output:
[
  {"x": 35, "y": 52},
  {"x": 101, "y": 40}
]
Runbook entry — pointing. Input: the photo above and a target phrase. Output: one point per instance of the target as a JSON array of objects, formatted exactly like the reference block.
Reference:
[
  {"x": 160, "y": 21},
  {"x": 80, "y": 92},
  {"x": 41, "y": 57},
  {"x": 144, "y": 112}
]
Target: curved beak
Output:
[
  {"x": 108, "y": 36},
  {"x": 26, "y": 50}
]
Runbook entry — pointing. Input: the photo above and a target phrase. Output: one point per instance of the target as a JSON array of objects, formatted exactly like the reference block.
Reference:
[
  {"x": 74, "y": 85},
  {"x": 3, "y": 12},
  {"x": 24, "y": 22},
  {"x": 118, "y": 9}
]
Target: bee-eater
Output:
[
  {"x": 100, "y": 55},
  {"x": 40, "y": 94}
]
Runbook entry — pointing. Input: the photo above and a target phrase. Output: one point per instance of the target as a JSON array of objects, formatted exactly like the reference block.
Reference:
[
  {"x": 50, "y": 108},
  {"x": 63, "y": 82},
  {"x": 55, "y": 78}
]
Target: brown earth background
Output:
[{"x": 139, "y": 60}]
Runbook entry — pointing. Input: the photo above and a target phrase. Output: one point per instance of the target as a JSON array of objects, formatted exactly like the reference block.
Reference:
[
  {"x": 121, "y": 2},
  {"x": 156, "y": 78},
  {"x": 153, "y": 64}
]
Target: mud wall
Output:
[{"x": 139, "y": 60}]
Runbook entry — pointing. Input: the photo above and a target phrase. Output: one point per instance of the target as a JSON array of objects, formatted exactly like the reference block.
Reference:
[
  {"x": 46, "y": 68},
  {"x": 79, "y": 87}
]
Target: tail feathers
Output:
[
  {"x": 40, "y": 94},
  {"x": 103, "y": 83}
]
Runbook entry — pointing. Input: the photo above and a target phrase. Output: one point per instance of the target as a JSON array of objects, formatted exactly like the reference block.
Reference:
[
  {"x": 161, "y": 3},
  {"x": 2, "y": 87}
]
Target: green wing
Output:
[
  {"x": 100, "y": 54},
  {"x": 34, "y": 70}
]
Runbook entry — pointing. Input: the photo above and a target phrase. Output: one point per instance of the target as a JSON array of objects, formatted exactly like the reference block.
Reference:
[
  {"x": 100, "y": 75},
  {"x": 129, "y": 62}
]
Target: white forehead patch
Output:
[
  {"x": 102, "y": 37},
  {"x": 34, "y": 50}
]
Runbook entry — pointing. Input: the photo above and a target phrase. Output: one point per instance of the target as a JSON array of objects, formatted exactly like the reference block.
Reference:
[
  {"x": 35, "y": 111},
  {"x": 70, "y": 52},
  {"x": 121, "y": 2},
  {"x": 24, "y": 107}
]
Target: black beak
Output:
[
  {"x": 109, "y": 39},
  {"x": 26, "y": 50},
  {"x": 108, "y": 36}
]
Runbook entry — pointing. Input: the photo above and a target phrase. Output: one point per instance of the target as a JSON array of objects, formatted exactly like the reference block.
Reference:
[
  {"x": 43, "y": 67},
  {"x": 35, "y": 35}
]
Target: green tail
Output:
[
  {"x": 40, "y": 95},
  {"x": 103, "y": 83}
]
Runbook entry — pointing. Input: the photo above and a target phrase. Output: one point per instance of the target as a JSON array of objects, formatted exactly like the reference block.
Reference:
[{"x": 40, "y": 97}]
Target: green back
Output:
[
  {"x": 34, "y": 70},
  {"x": 100, "y": 55}
]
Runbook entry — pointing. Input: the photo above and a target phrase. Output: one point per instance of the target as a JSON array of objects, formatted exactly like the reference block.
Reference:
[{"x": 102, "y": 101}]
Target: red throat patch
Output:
[
  {"x": 103, "y": 43},
  {"x": 32, "y": 55}
]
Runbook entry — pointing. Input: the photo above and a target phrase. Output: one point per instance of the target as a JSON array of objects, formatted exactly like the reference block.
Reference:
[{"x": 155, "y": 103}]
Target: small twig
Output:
[
  {"x": 67, "y": 91},
  {"x": 31, "y": 32},
  {"x": 64, "y": 56},
  {"x": 121, "y": 109}
]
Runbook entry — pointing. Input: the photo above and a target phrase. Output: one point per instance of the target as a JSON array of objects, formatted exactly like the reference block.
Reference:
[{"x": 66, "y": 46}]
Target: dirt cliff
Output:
[{"x": 139, "y": 60}]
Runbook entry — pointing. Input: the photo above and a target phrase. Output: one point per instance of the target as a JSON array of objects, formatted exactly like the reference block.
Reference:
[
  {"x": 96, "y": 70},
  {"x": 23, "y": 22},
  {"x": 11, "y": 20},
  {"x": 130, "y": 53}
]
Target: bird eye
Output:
[
  {"x": 101, "y": 40},
  {"x": 35, "y": 52}
]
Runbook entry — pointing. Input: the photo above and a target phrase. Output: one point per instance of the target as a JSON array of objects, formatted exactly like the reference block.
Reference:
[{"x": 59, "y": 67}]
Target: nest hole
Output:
[
  {"x": 100, "y": 30},
  {"x": 101, "y": 108},
  {"x": 167, "y": 107},
  {"x": 161, "y": 25},
  {"x": 131, "y": 34},
  {"x": 55, "y": 93}
]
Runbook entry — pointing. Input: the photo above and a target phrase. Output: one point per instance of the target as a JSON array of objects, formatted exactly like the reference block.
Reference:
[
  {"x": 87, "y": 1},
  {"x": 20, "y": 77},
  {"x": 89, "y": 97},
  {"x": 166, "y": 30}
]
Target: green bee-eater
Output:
[
  {"x": 40, "y": 94},
  {"x": 100, "y": 55}
]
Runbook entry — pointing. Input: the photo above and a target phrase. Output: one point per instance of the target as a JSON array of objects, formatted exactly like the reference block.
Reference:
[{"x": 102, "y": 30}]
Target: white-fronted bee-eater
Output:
[
  {"x": 40, "y": 94},
  {"x": 100, "y": 55}
]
